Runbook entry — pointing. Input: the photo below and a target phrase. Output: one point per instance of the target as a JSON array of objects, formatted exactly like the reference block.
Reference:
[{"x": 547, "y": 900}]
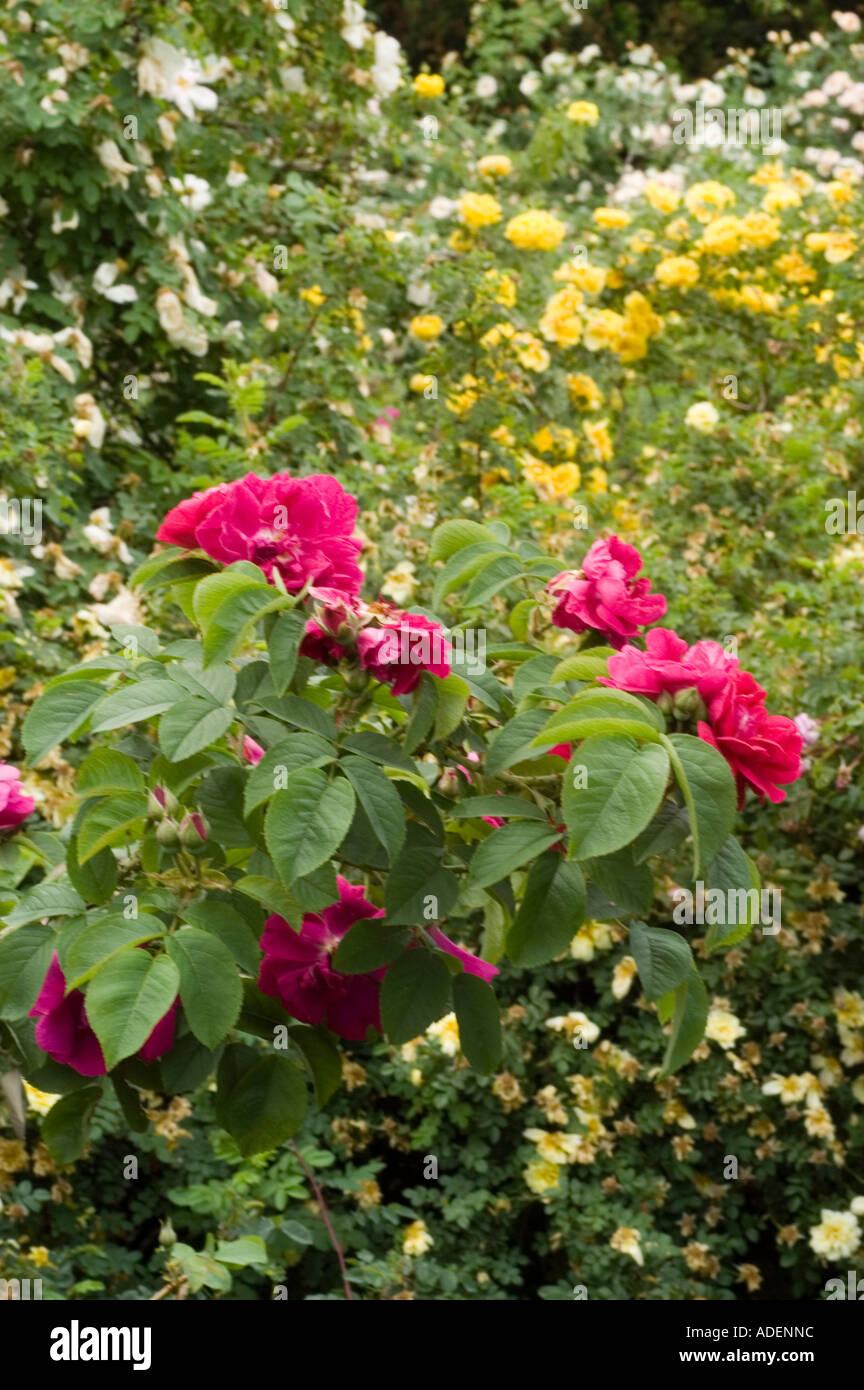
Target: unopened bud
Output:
[
  {"x": 193, "y": 830},
  {"x": 167, "y": 836},
  {"x": 688, "y": 704},
  {"x": 161, "y": 803},
  {"x": 167, "y": 1234},
  {"x": 664, "y": 702},
  {"x": 448, "y": 783}
]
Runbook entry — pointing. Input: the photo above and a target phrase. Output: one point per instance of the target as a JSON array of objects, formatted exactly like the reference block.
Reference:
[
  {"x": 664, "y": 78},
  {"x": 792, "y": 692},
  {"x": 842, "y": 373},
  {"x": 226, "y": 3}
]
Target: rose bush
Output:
[{"x": 217, "y": 846}]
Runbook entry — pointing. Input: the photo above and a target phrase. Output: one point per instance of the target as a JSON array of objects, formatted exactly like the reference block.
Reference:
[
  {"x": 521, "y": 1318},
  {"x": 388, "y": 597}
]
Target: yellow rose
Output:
[
  {"x": 583, "y": 113},
  {"x": 584, "y": 391},
  {"x": 426, "y": 327},
  {"x": 611, "y": 218},
  {"x": 428, "y": 84},
  {"x": 677, "y": 272},
  {"x": 480, "y": 209},
  {"x": 535, "y": 231},
  {"x": 494, "y": 166}
]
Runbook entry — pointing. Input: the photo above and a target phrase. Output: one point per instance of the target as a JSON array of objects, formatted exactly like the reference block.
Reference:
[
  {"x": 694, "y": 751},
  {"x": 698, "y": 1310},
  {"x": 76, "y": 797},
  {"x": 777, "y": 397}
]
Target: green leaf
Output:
[
  {"x": 287, "y": 756},
  {"x": 663, "y": 959},
  {"x": 368, "y": 945},
  {"x": 113, "y": 820},
  {"x": 272, "y": 895},
  {"x": 515, "y": 741},
  {"x": 127, "y": 997},
  {"x": 322, "y": 1058},
  {"x": 416, "y": 878},
  {"x": 227, "y": 924},
  {"x": 451, "y": 536},
  {"x": 508, "y": 848},
  {"x": 228, "y": 604},
  {"x": 551, "y": 912},
  {"x": 688, "y": 1022},
  {"x": 209, "y": 984},
  {"x": 584, "y": 666},
  {"x": 135, "y": 703},
  {"x": 129, "y": 1104},
  {"x": 736, "y": 876},
  {"x": 25, "y": 955},
  {"x": 65, "y": 1128},
  {"x": 307, "y": 822},
  {"x": 479, "y": 1021},
  {"x": 603, "y": 703},
  {"x": 461, "y": 566},
  {"x": 708, "y": 786},
  {"x": 415, "y": 992},
  {"x": 95, "y": 880},
  {"x": 105, "y": 771},
  {"x": 263, "y": 1106},
  {"x": 452, "y": 694},
  {"x": 665, "y": 832},
  {"x": 169, "y": 567},
  {"x": 379, "y": 800},
  {"x": 239, "y": 1254},
  {"x": 624, "y": 783},
  {"x": 629, "y": 886},
  {"x": 57, "y": 715},
  {"x": 190, "y": 726},
  {"x": 99, "y": 941},
  {"x": 57, "y": 899},
  {"x": 283, "y": 646}
]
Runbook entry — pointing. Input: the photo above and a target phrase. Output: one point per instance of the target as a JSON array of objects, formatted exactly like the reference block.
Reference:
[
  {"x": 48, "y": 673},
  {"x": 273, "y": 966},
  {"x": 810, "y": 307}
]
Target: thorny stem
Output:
[{"x": 325, "y": 1216}]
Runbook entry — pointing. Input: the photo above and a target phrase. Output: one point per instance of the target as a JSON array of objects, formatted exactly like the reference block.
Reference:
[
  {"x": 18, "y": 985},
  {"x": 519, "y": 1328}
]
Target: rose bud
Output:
[
  {"x": 448, "y": 783},
  {"x": 166, "y": 834},
  {"x": 193, "y": 830},
  {"x": 161, "y": 802},
  {"x": 688, "y": 704}
]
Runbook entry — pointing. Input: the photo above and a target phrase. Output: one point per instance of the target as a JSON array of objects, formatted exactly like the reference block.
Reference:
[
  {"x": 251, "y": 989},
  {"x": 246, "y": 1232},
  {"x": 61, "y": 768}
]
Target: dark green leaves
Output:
[
  {"x": 127, "y": 997},
  {"x": 551, "y": 911},
  {"x": 479, "y": 1022},
  {"x": 307, "y": 822},
  {"x": 57, "y": 715},
  {"x": 509, "y": 847},
  {"x": 65, "y": 1127},
  {"x": 209, "y": 984},
  {"x": 663, "y": 959},
  {"x": 415, "y": 992},
  {"x": 688, "y": 1022},
  {"x": 612, "y": 788},
  {"x": 379, "y": 800},
  {"x": 709, "y": 793},
  {"x": 261, "y": 1101}
]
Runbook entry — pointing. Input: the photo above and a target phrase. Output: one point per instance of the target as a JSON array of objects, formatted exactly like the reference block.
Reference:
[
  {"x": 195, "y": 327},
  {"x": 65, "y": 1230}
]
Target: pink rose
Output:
[
  {"x": 252, "y": 751},
  {"x": 300, "y": 527},
  {"x": 64, "y": 1033},
  {"x": 605, "y": 595},
  {"x": 296, "y": 968},
  {"x": 761, "y": 749},
  {"x": 397, "y": 647},
  {"x": 472, "y": 964},
  {"x": 15, "y": 805}
]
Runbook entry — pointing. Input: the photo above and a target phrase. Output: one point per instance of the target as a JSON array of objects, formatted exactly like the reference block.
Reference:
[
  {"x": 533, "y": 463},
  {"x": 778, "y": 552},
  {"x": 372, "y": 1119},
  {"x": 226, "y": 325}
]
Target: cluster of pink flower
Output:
[
  {"x": 303, "y": 529},
  {"x": 297, "y": 966},
  {"x": 15, "y": 804},
  {"x": 296, "y": 970},
  {"x": 763, "y": 750}
]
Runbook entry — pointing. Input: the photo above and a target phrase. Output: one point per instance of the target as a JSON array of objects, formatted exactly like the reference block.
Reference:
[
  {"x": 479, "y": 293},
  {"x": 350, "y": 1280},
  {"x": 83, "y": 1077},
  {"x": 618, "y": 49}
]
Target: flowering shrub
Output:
[
  {"x": 347, "y": 778},
  {"x": 309, "y": 317}
]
